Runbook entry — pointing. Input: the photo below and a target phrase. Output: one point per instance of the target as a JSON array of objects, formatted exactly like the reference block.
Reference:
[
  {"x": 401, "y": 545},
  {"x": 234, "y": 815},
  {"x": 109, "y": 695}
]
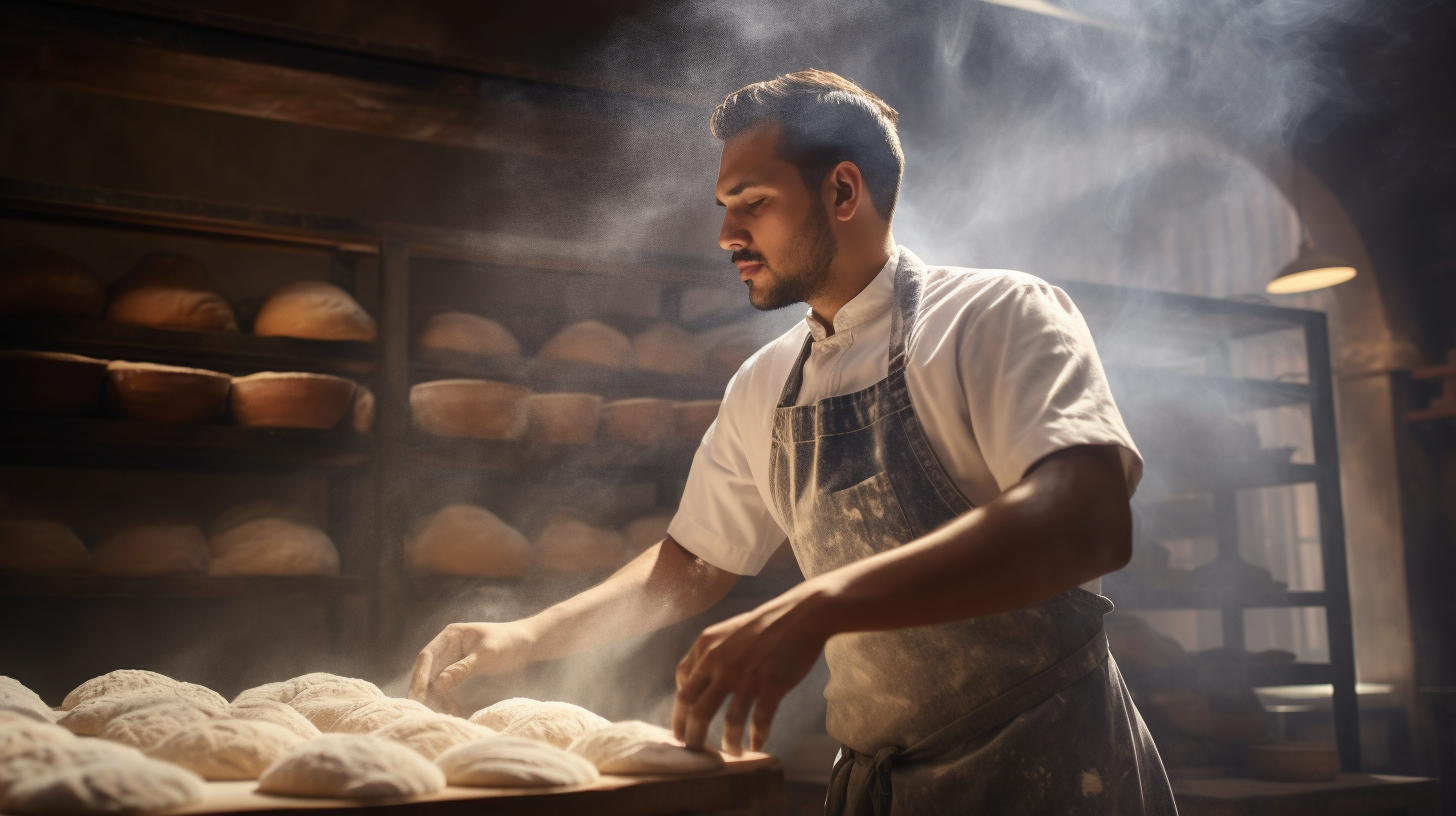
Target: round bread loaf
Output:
[
  {"x": 668, "y": 349},
  {"x": 274, "y": 399},
  {"x": 478, "y": 409},
  {"x": 314, "y": 310},
  {"x": 643, "y": 422},
  {"x": 162, "y": 393},
  {"x": 49, "y": 382},
  {"x": 636, "y": 747},
  {"x": 514, "y": 762},
  {"x": 564, "y": 419},
  {"x": 33, "y": 541},
  {"x": 168, "y": 546},
  {"x": 555, "y": 723},
  {"x": 725, "y": 360},
  {"x": 120, "y": 681},
  {"x": 226, "y": 749},
  {"x": 468, "y": 333},
  {"x": 351, "y": 766},
  {"x": 166, "y": 291},
  {"x": 263, "y": 538},
  {"x": 430, "y": 735},
  {"x": 566, "y": 544},
  {"x": 272, "y": 711},
  {"x": 463, "y": 539},
  {"x": 39, "y": 281},
  {"x": 361, "y": 417},
  {"x": 588, "y": 342},
  {"x": 645, "y": 532},
  {"x": 693, "y": 418}
]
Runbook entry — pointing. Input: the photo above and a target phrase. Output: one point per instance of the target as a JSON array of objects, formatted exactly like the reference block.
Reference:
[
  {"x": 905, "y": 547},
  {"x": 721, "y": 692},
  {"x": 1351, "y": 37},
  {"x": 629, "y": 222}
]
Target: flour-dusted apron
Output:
[{"x": 1022, "y": 712}]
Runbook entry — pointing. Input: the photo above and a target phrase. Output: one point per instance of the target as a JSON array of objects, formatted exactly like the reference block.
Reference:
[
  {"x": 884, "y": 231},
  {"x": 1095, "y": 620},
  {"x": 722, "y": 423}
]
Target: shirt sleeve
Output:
[
  {"x": 722, "y": 517},
  {"x": 1035, "y": 384}
]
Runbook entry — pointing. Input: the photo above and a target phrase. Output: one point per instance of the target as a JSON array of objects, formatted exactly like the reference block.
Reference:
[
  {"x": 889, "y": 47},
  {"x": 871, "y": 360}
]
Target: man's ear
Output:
[{"x": 844, "y": 190}]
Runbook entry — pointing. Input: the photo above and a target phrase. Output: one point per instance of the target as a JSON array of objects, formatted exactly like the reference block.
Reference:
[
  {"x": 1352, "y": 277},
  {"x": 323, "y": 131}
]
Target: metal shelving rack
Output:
[{"x": 1124, "y": 318}]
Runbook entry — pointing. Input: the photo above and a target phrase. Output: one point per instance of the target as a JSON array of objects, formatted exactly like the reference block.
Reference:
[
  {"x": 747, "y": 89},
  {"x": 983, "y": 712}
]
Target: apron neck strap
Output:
[{"x": 909, "y": 278}]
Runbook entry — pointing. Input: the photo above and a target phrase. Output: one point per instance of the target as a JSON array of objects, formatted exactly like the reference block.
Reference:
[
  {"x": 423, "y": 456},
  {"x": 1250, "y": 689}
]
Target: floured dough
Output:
[
  {"x": 375, "y": 714},
  {"x": 323, "y": 711},
  {"x": 90, "y": 717},
  {"x": 351, "y": 766},
  {"x": 468, "y": 333},
  {"x": 166, "y": 291},
  {"x": 636, "y": 747},
  {"x": 107, "y": 786},
  {"x": 269, "y": 539},
  {"x": 589, "y": 341},
  {"x": 463, "y": 539},
  {"x": 556, "y": 723},
  {"x": 34, "y": 541},
  {"x": 19, "y": 733},
  {"x": 267, "y": 692},
  {"x": 668, "y": 349},
  {"x": 226, "y": 749},
  {"x": 513, "y": 762},
  {"x": 432, "y": 734},
  {"x": 145, "y": 728},
  {"x": 646, "y": 532},
  {"x": 499, "y": 715},
  {"x": 14, "y": 693},
  {"x": 121, "y": 681},
  {"x": 314, "y": 310},
  {"x": 566, "y": 544},
  {"x": 326, "y": 684},
  {"x": 171, "y": 546},
  {"x": 26, "y": 761},
  {"x": 272, "y": 711}
]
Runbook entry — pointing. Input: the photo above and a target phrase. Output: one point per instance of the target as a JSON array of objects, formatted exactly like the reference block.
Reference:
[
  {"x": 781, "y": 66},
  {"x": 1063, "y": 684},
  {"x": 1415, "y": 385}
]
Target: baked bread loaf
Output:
[
  {"x": 164, "y": 546},
  {"x": 567, "y": 544},
  {"x": 162, "y": 393},
  {"x": 500, "y": 762},
  {"x": 351, "y": 766},
  {"x": 477, "y": 409},
  {"x": 588, "y": 342},
  {"x": 166, "y": 291},
  {"x": 361, "y": 418},
  {"x": 668, "y": 349},
  {"x": 463, "y": 539},
  {"x": 636, "y": 747},
  {"x": 274, "y": 399},
  {"x": 264, "y": 538},
  {"x": 725, "y": 360},
  {"x": 642, "y": 422},
  {"x": 33, "y": 541},
  {"x": 693, "y": 418},
  {"x": 39, "y": 281},
  {"x": 468, "y": 333},
  {"x": 314, "y": 310},
  {"x": 49, "y": 382},
  {"x": 645, "y": 532},
  {"x": 564, "y": 419}
]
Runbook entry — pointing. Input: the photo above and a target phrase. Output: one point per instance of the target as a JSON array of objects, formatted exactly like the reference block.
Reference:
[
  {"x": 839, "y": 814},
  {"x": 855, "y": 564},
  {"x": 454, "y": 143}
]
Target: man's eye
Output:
[{"x": 753, "y": 205}]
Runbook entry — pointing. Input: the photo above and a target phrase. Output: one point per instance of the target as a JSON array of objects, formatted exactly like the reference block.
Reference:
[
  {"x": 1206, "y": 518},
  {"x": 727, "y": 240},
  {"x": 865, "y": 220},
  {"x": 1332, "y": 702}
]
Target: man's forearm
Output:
[{"x": 662, "y": 586}]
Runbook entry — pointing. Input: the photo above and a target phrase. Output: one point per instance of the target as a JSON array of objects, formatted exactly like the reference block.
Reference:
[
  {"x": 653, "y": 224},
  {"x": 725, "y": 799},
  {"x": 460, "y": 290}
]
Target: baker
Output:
[{"x": 943, "y": 454}]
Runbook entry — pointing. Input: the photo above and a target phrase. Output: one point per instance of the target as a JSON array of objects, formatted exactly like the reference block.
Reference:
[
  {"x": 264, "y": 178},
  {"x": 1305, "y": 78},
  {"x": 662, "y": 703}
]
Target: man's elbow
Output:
[{"x": 1111, "y": 535}]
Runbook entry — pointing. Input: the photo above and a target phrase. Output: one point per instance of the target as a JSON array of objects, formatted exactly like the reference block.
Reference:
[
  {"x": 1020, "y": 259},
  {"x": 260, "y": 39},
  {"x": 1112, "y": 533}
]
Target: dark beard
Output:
[{"x": 805, "y": 275}]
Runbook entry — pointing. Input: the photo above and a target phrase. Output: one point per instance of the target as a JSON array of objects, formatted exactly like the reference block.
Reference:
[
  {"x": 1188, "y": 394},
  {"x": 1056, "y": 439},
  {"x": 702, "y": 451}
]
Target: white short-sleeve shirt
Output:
[{"x": 1001, "y": 368}]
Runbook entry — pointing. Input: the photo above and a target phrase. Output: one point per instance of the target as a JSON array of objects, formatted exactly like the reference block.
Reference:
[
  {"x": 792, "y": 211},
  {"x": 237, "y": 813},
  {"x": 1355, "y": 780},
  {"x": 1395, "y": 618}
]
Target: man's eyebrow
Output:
[{"x": 738, "y": 188}]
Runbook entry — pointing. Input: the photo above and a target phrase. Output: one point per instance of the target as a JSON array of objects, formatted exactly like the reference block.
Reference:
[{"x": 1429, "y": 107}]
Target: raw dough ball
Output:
[
  {"x": 40, "y": 281},
  {"x": 468, "y": 333},
  {"x": 92, "y": 716},
  {"x": 121, "y": 681},
  {"x": 351, "y": 766},
  {"x": 556, "y": 723},
  {"x": 43, "y": 754},
  {"x": 499, "y": 715},
  {"x": 49, "y": 382},
  {"x": 19, "y": 733},
  {"x": 323, "y": 683},
  {"x": 124, "y": 785},
  {"x": 157, "y": 547},
  {"x": 314, "y": 310},
  {"x": 588, "y": 342},
  {"x": 163, "y": 393},
  {"x": 476, "y": 409},
  {"x": 145, "y": 728},
  {"x": 462, "y": 539},
  {"x": 635, "y": 747},
  {"x": 166, "y": 291},
  {"x": 513, "y": 762},
  {"x": 692, "y": 419},
  {"x": 15, "y": 694},
  {"x": 432, "y": 734},
  {"x": 567, "y": 544},
  {"x": 646, "y": 532},
  {"x": 226, "y": 749},
  {"x": 324, "y": 711},
  {"x": 276, "y": 713},
  {"x": 375, "y": 714},
  {"x": 667, "y": 349},
  {"x": 264, "y": 538},
  {"x": 644, "y": 422},
  {"x": 361, "y": 417},
  {"x": 563, "y": 419},
  {"x": 290, "y": 399},
  {"x": 34, "y": 541},
  {"x": 268, "y": 692}
]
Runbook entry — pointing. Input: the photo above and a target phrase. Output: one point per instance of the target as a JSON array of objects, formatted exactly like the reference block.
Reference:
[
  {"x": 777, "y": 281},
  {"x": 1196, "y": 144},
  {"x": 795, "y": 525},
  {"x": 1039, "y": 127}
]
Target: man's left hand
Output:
[{"x": 755, "y": 658}]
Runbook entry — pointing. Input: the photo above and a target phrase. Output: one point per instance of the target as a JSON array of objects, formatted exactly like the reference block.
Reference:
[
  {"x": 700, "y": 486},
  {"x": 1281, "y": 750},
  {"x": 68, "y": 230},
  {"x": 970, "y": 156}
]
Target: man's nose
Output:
[{"x": 732, "y": 236}]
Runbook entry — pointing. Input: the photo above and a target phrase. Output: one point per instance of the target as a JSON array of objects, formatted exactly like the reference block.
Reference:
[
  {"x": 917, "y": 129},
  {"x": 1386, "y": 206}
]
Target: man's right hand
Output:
[{"x": 463, "y": 650}]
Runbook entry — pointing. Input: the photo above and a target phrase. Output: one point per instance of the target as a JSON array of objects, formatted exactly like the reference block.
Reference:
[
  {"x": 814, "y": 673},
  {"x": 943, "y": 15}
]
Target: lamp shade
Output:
[{"x": 1311, "y": 269}]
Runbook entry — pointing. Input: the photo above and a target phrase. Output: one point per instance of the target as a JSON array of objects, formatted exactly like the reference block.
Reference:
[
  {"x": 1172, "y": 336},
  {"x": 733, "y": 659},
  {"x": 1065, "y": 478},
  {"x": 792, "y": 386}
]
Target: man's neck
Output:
[{"x": 848, "y": 280}]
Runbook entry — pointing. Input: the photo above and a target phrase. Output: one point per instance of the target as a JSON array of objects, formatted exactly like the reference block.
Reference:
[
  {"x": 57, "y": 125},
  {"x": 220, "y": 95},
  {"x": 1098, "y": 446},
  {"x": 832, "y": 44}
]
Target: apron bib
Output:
[{"x": 1019, "y": 712}]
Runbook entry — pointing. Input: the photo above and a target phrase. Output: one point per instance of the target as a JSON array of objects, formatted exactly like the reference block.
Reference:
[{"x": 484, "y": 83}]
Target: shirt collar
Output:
[{"x": 870, "y": 302}]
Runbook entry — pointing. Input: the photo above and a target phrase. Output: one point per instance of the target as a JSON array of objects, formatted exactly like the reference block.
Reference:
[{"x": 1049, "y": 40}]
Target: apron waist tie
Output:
[{"x": 874, "y": 788}]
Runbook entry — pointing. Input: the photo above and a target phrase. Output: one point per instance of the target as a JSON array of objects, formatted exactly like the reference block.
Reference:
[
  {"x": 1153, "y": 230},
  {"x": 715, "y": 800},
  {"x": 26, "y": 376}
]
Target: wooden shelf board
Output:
[{"x": 180, "y": 586}]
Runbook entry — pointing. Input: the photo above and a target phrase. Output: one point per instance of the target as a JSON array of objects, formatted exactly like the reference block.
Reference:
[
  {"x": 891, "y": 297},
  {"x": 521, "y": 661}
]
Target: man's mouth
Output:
[{"x": 747, "y": 269}]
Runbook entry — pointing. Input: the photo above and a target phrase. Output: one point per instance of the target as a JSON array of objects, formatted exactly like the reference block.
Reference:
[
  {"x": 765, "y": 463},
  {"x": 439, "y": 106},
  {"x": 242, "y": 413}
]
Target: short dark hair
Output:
[{"x": 826, "y": 119}]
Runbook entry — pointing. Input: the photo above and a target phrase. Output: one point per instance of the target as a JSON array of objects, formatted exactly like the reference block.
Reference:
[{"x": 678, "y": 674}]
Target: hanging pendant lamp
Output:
[{"x": 1311, "y": 269}]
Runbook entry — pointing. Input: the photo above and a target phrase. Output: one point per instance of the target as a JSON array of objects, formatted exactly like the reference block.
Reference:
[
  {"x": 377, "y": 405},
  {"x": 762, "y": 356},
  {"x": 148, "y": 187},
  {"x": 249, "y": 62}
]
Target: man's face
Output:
[{"x": 778, "y": 230}]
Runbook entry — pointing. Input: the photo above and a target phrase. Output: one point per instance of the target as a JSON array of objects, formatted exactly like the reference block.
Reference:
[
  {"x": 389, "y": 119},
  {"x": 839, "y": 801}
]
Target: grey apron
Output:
[{"x": 1019, "y": 712}]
